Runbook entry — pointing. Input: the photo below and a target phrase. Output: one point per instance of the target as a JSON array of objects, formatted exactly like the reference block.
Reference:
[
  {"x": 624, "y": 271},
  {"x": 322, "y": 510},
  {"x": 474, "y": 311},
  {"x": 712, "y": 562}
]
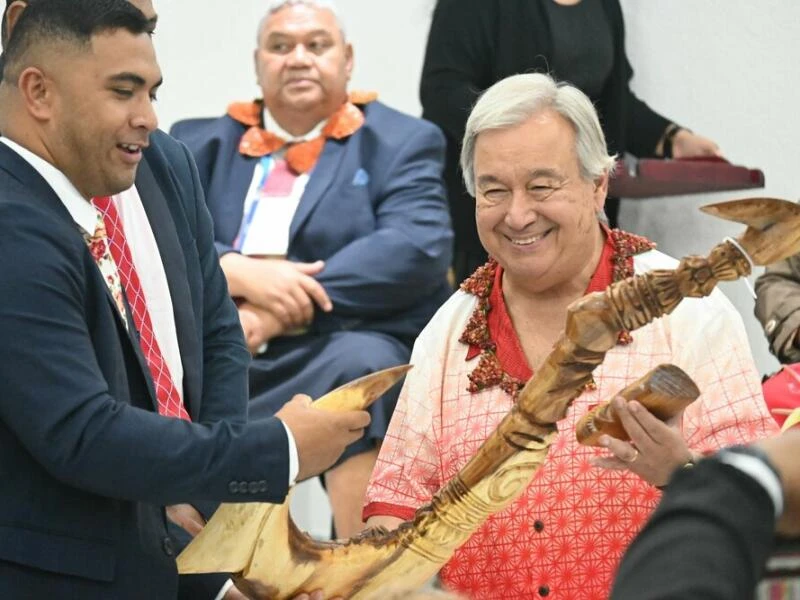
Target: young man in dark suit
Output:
[{"x": 90, "y": 454}]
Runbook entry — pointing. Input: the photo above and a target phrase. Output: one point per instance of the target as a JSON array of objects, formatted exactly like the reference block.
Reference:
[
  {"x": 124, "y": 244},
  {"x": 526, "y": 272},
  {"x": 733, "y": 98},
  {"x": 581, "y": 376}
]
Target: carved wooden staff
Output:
[{"x": 274, "y": 560}]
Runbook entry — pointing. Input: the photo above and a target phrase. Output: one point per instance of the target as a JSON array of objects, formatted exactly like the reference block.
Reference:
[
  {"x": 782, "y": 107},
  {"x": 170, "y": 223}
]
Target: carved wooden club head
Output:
[
  {"x": 361, "y": 392},
  {"x": 773, "y": 226},
  {"x": 228, "y": 542}
]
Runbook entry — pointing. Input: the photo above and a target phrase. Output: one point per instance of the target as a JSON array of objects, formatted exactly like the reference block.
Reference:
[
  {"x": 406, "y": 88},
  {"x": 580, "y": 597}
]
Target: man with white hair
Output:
[
  {"x": 332, "y": 223},
  {"x": 535, "y": 157}
]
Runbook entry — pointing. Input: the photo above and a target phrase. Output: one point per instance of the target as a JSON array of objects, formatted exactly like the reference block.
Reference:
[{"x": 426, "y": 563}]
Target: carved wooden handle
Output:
[{"x": 664, "y": 391}]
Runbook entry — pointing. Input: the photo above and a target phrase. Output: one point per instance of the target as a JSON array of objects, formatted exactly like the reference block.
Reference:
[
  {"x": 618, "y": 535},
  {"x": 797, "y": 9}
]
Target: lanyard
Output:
[{"x": 247, "y": 221}]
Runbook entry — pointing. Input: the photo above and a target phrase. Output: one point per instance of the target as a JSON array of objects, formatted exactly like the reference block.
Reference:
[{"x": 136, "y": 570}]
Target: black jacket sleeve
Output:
[
  {"x": 709, "y": 538},
  {"x": 642, "y": 127}
]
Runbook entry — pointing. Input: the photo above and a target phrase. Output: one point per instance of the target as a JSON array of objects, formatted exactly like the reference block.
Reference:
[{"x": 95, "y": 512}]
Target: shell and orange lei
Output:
[{"x": 489, "y": 372}]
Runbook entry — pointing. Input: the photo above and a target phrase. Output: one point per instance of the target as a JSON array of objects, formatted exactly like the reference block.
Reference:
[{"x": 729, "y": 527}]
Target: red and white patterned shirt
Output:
[{"x": 562, "y": 539}]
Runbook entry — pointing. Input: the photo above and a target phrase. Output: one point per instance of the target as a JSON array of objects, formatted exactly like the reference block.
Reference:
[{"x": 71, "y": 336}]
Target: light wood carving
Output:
[
  {"x": 272, "y": 559},
  {"x": 234, "y": 534},
  {"x": 665, "y": 391}
]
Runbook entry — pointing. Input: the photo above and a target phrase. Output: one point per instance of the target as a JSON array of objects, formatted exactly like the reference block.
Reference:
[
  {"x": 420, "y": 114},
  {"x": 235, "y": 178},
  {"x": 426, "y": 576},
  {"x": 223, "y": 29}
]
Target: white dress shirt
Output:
[{"x": 265, "y": 221}]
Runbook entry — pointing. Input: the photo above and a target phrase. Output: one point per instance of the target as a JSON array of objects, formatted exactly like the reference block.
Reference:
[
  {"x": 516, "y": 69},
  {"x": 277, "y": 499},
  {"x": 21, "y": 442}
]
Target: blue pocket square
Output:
[{"x": 361, "y": 177}]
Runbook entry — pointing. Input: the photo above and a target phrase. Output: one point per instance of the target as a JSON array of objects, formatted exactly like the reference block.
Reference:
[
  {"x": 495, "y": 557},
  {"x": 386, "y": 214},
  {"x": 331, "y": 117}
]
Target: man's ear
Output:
[
  {"x": 37, "y": 93},
  {"x": 348, "y": 54},
  {"x": 257, "y": 67},
  {"x": 600, "y": 191},
  {"x": 13, "y": 13}
]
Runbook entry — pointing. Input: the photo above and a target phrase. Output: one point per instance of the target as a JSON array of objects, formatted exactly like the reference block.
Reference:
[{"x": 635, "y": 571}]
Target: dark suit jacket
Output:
[
  {"x": 709, "y": 538},
  {"x": 475, "y": 43},
  {"x": 374, "y": 210},
  {"x": 86, "y": 462}
]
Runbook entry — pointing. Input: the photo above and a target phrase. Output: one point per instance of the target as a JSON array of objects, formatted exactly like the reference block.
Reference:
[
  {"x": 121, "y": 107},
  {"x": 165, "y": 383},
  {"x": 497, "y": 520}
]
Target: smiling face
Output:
[
  {"x": 535, "y": 213},
  {"x": 303, "y": 63},
  {"x": 99, "y": 113}
]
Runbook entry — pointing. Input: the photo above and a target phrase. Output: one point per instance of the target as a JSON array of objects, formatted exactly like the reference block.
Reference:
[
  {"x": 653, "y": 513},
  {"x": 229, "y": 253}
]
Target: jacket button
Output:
[
  {"x": 262, "y": 485},
  {"x": 233, "y": 487},
  {"x": 770, "y": 326},
  {"x": 167, "y": 545},
  {"x": 253, "y": 487},
  {"x": 544, "y": 590},
  {"x": 538, "y": 526},
  {"x": 242, "y": 487}
]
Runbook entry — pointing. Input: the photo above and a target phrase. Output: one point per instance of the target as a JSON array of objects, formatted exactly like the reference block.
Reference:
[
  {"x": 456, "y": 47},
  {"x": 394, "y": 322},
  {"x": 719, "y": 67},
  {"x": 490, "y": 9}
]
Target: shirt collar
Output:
[
  {"x": 501, "y": 329},
  {"x": 79, "y": 208},
  {"x": 270, "y": 124}
]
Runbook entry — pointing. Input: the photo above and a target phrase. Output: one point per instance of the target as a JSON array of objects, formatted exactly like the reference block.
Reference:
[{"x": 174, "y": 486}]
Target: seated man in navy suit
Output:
[{"x": 332, "y": 223}]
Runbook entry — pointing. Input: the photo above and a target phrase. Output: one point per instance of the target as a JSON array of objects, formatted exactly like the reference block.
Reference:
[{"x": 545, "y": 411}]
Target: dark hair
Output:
[{"x": 72, "y": 21}]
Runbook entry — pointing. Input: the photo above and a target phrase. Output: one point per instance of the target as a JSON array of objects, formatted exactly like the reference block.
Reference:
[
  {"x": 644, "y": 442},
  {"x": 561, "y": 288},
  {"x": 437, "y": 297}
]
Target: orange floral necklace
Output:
[
  {"x": 301, "y": 156},
  {"x": 616, "y": 264}
]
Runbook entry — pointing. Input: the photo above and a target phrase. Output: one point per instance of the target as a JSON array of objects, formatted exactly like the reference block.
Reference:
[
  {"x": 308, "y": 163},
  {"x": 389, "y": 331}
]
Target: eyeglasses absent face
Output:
[
  {"x": 535, "y": 213},
  {"x": 302, "y": 61}
]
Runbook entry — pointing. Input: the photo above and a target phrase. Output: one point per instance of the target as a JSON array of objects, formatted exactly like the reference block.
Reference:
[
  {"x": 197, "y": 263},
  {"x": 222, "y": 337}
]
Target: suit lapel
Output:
[
  {"x": 172, "y": 257},
  {"x": 228, "y": 210},
  {"x": 19, "y": 169},
  {"x": 319, "y": 182}
]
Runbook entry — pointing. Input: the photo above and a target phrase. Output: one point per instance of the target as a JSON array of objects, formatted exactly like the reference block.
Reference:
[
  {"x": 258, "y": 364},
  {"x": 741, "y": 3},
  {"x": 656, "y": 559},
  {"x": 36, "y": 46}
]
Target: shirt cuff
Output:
[
  {"x": 294, "y": 459},
  {"x": 224, "y": 590},
  {"x": 760, "y": 472}
]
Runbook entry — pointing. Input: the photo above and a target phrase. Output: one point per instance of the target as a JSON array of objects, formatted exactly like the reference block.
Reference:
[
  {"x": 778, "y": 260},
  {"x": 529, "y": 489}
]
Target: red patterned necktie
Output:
[{"x": 169, "y": 401}]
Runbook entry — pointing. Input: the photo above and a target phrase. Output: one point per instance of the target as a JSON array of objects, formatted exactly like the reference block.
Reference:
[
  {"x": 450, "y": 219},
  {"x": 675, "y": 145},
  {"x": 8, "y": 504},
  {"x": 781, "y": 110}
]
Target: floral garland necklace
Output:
[
  {"x": 489, "y": 372},
  {"x": 301, "y": 156}
]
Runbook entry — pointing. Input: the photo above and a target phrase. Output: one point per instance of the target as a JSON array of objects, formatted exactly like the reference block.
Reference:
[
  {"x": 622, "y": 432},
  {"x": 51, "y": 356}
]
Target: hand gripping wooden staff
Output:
[{"x": 272, "y": 559}]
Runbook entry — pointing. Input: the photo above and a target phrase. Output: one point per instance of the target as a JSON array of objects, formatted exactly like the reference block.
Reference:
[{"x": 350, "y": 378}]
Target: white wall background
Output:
[
  {"x": 205, "y": 49},
  {"x": 726, "y": 68}
]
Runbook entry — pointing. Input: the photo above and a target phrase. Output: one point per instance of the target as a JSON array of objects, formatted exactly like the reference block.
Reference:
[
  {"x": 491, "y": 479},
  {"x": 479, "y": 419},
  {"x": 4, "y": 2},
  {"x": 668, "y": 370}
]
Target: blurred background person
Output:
[{"x": 778, "y": 308}]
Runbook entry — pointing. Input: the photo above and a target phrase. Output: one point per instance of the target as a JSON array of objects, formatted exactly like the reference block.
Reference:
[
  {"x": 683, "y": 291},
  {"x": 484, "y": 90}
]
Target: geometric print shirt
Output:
[{"x": 563, "y": 537}]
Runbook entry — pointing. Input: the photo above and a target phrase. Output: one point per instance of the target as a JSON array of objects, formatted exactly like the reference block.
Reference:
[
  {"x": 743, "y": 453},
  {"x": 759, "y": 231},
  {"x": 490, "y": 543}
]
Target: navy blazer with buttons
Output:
[
  {"x": 374, "y": 210},
  {"x": 86, "y": 463}
]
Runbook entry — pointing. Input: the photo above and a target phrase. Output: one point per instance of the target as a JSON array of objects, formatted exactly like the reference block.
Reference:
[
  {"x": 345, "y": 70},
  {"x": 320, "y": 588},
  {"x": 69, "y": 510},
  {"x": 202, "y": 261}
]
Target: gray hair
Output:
[
  {"x": 277, "y": 5},
  {"x": 514, "y": 100}
]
